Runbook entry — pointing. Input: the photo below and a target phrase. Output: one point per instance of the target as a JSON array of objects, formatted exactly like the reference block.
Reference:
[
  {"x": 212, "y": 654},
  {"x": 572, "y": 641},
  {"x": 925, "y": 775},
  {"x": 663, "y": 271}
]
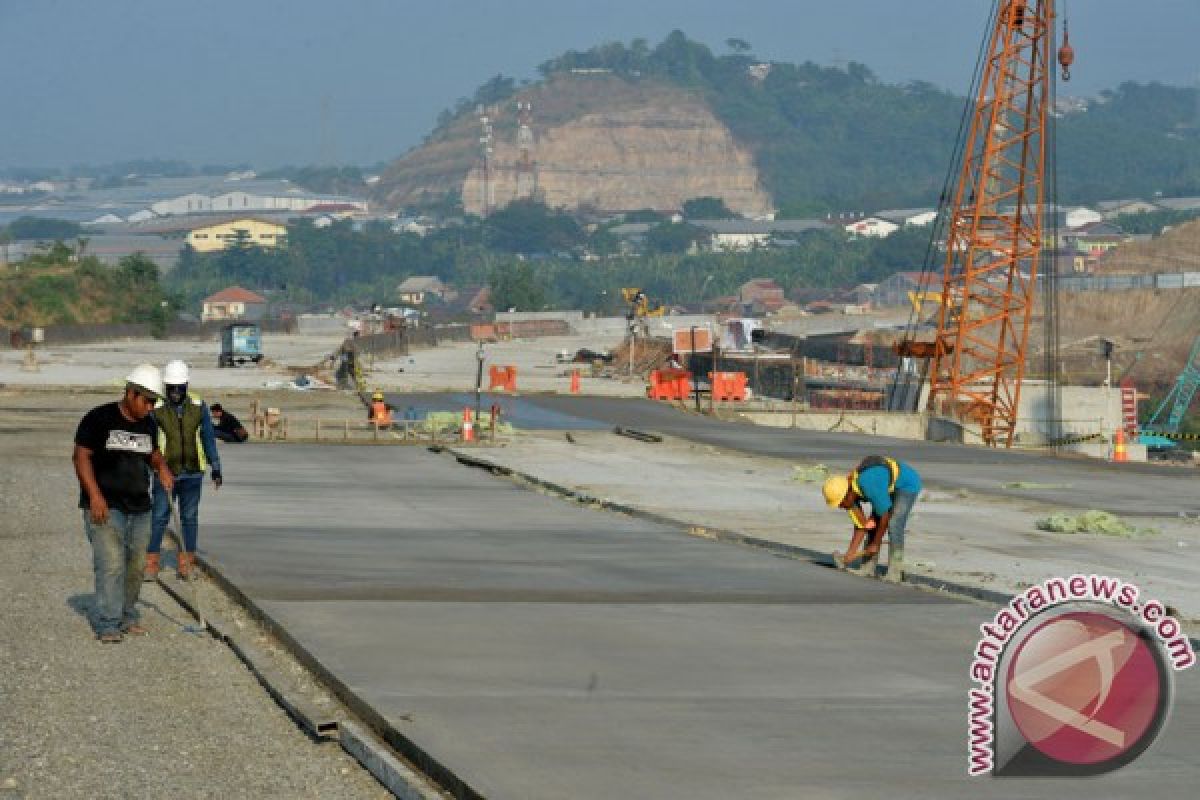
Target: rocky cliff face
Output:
[{"x": 599, "y": 142}]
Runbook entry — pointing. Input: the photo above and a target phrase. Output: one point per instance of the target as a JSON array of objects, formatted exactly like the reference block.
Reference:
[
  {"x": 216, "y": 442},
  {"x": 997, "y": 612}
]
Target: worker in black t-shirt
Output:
[
  {"x": 226, "y": 426},
  {"x": 113, "y": 446}
]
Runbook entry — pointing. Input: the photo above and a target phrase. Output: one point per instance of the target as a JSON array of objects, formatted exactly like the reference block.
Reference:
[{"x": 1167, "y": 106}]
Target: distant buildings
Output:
[
  {"x": 232, "y": 304},
  {"x": 419, "y": 289},
  {"x": 210, "y": 237}
]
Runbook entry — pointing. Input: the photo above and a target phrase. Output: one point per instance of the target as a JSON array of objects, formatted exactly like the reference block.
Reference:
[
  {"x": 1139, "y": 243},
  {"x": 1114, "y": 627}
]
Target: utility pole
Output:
[
  {"x": 478, "y": 379},
  {"x": 485, "y": 148}
]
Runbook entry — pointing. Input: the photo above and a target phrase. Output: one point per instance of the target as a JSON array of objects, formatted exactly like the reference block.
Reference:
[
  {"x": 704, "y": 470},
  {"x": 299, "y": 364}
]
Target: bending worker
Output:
[
  {"x": 891, "y": 487},
  {"x": 185, "y": 436}
]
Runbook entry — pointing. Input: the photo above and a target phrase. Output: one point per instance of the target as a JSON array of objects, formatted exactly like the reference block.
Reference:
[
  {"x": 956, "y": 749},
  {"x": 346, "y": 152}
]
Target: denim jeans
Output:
[
  {"x": 902, "y": 503},
  {"x": 187, "y": 493},
  {"x": 118, "y": 559}
]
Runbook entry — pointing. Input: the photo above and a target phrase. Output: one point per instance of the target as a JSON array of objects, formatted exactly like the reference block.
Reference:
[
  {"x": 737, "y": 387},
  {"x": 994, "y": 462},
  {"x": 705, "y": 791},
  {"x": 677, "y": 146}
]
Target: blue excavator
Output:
[{"x": 1169, "y": 415}]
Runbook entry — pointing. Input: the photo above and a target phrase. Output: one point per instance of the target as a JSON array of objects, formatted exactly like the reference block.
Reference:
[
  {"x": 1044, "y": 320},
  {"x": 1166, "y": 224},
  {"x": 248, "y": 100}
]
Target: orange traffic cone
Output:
[
  {"x": 574, "y": 381},
  {"x": 468, "y": 427},
  {"x": 1119, "y": 453}
]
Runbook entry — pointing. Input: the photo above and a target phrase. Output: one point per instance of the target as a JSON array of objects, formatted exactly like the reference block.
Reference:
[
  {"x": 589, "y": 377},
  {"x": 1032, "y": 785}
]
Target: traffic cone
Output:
[
  {"x": 468, "y": 427},
  {"x": 1119, "y": 453},
  {"x": 574, "y": 381}
]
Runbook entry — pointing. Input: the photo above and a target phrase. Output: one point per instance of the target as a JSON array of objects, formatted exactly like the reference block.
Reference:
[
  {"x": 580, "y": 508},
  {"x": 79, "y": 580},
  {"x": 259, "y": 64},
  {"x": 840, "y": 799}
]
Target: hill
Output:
[
  {"x": 621, "y": 127},
  {"x": 1153, "y": 329}
]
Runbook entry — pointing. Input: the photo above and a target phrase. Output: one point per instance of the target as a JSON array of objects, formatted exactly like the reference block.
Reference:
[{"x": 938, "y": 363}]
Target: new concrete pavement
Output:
[
  {"x": 538, "y": 649},
  {"x": 1071, "y": 482}
]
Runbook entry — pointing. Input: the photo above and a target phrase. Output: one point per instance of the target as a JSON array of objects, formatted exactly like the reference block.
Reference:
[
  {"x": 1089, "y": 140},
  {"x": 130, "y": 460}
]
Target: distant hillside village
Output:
[{"x": 162, "y": 216}]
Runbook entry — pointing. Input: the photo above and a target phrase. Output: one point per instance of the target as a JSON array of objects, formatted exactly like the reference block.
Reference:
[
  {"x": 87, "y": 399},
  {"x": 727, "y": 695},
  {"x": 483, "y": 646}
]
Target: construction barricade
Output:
[
  {"x": 669, "y": 384},
  {"x": 504, "y": 378},
  {"x": 728, "y": 386}
]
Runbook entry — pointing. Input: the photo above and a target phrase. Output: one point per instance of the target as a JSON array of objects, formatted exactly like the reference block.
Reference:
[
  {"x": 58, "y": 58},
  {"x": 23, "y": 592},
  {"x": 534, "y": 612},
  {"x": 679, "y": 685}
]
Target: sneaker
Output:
[{"x": 110, "y": 637}]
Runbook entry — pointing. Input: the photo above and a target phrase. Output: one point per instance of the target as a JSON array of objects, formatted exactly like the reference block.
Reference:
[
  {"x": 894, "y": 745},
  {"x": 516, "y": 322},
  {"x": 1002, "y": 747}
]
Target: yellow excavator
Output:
[{"x": 639, "y": 304}]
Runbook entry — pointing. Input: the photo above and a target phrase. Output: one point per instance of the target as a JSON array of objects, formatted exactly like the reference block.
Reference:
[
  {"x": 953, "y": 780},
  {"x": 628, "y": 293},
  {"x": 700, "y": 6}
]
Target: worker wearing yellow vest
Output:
[
  {"x": 189, "y": 446},
  {"x": 891, "y": 487}
]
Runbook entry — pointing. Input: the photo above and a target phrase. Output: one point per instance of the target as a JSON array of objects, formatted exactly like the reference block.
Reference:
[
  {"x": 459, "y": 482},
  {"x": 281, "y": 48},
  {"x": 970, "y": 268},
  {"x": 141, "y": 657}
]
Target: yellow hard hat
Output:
[
  {"x": 378, "y": 395},
  {"x": 835, "y": 489}
]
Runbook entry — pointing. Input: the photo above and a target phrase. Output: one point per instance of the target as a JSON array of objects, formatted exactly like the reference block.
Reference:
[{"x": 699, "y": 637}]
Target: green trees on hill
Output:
[
  {"x": 837, "y": 138},
  {"x": 60, "y": 286},
  {"x": 41, "y": 228}
]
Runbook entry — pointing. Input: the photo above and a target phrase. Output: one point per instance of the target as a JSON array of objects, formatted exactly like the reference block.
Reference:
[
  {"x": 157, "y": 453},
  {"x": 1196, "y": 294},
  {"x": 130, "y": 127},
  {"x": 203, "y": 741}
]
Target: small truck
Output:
[{"x": 241, "y": 343}]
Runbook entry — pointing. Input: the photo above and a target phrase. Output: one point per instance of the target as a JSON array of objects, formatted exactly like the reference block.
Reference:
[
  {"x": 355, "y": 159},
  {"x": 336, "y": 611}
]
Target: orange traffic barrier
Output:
[
  {"x": 468, "y": 427},
  {"x": 728, "y": 386},
  {"x": 504, "y": 378},
  {"x": 1119, "y": 452},
  {"x": 670, "y": 384},
  {"x": 574, "y": 381}
]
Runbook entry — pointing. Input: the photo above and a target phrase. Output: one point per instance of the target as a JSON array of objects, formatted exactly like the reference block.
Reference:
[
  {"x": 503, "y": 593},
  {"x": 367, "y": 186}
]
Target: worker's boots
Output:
[
  {"x": 867, "y": 565},
  {"x": 187, "y": 563},
  {"x": 895, "y": 571},
  {"x": 152, "y": 566}
]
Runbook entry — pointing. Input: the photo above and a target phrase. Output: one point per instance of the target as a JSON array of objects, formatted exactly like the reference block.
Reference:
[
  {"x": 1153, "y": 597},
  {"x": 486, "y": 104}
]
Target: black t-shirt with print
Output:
[{"x": 120, "y": 449}]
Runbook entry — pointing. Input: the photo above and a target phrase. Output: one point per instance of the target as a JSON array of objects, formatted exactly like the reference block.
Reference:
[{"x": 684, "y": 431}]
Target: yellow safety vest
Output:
[{"x": 857, "y": 515}]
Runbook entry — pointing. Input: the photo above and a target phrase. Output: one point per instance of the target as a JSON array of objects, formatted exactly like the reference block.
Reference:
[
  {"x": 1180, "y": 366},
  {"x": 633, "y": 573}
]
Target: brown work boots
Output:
[
  {"x": 187, "y": 565},
  {"x": 150, "y": 573}
]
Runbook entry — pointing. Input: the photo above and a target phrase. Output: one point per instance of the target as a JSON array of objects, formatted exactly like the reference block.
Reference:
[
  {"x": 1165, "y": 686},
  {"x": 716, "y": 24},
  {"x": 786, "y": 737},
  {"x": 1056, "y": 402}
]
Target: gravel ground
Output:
[{"x": 173, "y": 714}]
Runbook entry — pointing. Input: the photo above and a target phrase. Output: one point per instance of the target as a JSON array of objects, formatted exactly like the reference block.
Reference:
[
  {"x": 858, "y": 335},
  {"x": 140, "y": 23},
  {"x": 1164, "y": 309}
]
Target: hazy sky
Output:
[{"x": 271, "y": 82}]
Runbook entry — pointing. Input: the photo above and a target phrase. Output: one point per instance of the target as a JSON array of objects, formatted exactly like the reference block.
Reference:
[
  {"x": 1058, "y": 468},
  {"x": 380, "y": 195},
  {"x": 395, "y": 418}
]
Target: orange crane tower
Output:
[{"x": 994, "y": 227}]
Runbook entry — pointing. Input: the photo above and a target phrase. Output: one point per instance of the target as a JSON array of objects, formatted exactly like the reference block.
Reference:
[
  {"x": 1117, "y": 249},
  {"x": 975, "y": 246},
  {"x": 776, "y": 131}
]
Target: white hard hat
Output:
[
  {"x": 176, "y": 373},
  {"x": 147, "y": 376}
]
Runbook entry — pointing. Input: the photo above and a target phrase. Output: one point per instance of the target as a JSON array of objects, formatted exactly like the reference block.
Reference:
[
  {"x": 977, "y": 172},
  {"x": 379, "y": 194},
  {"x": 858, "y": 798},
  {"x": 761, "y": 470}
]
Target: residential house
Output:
[
  {"x": 898, "y": 290},
  {"x": 258, "y": 231},
  {"x": 744, "y": 234},
  {"x": 234, "y": 303},
  {"x": 419, "y": 289},
  {"x": 1111, "y": 209},
  {"x": 1080, "y": 216},
  {"x": 764, "y": 293},
  {"x": 908, "y": 216},
  {"x": 1093, "y": 241},
  {"x": 1177, "y": 203},
  {"x": 111, "y": 248},
  {"x": 871, "y": 226},
  {"x": 864, "y": 294}
]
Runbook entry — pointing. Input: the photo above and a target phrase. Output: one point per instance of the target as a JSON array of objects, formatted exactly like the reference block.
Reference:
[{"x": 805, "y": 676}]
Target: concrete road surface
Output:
[
  {"x": 539, "y": 649},
  {"x": 1126, "y": 489}
]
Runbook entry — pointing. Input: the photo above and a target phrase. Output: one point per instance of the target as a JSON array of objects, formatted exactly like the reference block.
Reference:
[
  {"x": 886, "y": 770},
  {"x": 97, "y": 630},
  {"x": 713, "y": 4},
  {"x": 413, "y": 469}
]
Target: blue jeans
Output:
[
  {"x": 902, "y": 503},
  {"x": 118, "y": 559},
  {"x": 187, "y": 493}
]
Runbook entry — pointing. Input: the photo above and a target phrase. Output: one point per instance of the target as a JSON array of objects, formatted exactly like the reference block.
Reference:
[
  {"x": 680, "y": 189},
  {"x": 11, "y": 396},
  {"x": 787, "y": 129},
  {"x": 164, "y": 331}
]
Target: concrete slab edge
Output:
[
  {"x": 317, "y": 724},
  {"x": 393, "y": 773},
  {"x": 918, "y": 581},
  {"x": 431, "y": 776}
]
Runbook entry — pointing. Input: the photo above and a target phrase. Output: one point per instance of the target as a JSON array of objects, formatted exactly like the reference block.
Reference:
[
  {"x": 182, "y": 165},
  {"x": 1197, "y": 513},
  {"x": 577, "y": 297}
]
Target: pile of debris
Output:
[{"x": 648, "y": 354}]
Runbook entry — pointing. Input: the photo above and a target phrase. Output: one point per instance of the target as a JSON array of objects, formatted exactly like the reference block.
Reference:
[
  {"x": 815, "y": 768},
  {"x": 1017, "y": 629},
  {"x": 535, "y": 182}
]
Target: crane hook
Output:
[{"x": 1066, "y": 54}]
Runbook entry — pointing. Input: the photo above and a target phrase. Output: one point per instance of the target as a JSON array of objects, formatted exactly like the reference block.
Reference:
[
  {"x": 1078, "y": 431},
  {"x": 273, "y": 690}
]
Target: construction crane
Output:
[
  {"x": 994, "y": 226},
  {"x": 1181, "y": 395}
]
